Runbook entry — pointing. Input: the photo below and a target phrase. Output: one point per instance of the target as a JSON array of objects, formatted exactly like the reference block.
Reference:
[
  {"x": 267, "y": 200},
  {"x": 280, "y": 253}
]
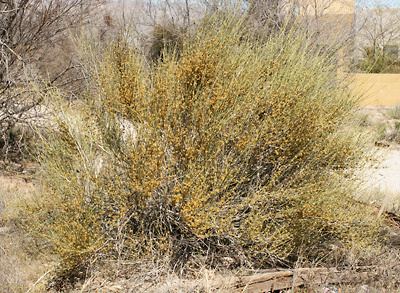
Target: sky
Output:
[{"x": 372, "y": 3}]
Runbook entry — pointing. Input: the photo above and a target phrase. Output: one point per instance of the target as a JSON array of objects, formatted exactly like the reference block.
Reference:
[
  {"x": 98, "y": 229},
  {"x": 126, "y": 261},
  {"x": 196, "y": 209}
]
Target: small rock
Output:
[
  {"x": 382, "y": 143},
  {"x": 364, "y": 289},
  {"x": 330, "y": 290}
]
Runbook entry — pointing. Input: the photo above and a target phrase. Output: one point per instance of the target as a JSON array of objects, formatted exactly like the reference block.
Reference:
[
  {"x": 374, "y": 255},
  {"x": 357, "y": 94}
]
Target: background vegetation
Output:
[{"x": 375, "y": 60}]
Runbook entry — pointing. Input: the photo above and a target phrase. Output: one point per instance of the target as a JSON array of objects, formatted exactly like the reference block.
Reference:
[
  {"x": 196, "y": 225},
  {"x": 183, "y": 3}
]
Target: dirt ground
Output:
[
  {"x": 383, "y": 181},
  {"x": 20, "y": 270}
]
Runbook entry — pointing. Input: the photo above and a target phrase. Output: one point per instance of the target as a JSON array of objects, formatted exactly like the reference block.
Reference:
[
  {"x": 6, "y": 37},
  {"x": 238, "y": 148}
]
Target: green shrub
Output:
[
  {"x": 394, "y": 113},
  {"x": 395, "y": 132},
  {"x": 381, "y": 131},
  {"x": 390, "y": 130},
  {"x": 236, "y": 148},
  {"x": 375, "y": 60}
]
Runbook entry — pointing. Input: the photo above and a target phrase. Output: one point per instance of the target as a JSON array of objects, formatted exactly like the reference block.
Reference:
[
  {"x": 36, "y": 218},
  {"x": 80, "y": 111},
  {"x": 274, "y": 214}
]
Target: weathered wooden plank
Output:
[{"x": 289, "y": 279}]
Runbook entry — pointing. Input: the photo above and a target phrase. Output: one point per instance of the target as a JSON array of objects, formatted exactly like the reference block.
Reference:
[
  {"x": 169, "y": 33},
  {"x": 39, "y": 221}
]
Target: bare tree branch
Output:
[{"x": 27, "y": 29}]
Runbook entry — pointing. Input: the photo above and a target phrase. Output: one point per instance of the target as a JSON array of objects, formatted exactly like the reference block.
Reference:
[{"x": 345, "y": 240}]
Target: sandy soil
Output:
[
  {"x": 381, "y": 183},
  {"x": 386, "y": 175}
]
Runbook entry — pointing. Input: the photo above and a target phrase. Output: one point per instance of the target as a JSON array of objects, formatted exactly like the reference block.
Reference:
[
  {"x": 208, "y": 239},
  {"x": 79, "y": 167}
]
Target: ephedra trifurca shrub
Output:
[{"x": 237, "y": 148}]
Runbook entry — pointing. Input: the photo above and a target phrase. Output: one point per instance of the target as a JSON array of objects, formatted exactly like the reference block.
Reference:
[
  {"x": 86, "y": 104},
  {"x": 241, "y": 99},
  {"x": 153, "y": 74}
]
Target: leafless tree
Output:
[
  {"x": 379, "y": 27},
  {"x": 28, "y": 28}
]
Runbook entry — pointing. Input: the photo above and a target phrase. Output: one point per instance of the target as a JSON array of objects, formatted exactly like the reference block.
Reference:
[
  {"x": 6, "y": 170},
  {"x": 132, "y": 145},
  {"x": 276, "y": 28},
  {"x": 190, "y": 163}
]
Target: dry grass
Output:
[
  {"x": 394, "y": 113},
  {"x": 20, "y": 267},
  {"x": 156, "y": 278}
]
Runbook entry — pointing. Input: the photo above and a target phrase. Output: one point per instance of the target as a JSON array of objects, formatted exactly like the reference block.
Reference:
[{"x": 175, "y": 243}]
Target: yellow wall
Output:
[{"x": 378, "y": 89}]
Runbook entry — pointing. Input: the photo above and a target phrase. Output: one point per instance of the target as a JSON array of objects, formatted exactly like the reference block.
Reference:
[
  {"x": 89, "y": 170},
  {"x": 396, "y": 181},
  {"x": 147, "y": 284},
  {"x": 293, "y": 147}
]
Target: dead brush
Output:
[
  {"x": 240, "y": 151},
  {"x": 165, "y": 37}
]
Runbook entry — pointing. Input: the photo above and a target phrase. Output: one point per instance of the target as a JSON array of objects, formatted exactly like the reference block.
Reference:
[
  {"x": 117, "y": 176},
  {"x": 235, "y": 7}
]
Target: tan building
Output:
[
  {"x": 323, "y": 7},
  {"x": 332, "y": 22},
  {"x": 333, "y": 19}
]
